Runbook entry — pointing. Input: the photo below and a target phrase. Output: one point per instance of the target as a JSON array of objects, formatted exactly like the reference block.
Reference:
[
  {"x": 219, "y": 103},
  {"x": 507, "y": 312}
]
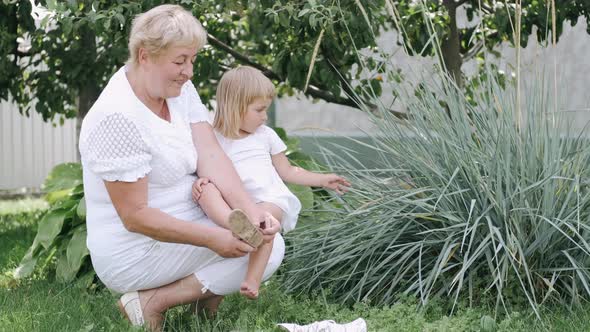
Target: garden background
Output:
[{"x": 341, "y": 83}]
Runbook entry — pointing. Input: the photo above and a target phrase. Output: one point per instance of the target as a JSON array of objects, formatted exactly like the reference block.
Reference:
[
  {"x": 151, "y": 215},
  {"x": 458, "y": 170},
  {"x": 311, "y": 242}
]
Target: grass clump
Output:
[{"x": 470, "y": 200}]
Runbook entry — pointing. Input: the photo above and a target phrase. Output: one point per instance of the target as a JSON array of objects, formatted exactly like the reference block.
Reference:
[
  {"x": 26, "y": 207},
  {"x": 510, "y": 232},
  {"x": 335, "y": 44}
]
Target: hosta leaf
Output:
[
  {"x": 63, "y": 176},
  {"x": 27, "y": 264},
  {"x": 305, "y": 195},
  {"x": 63, "y": 271},
  {"x": 50, "y": 226},
  {"x": 81, "y": 209},
  {"x": 77, "y": 249}
]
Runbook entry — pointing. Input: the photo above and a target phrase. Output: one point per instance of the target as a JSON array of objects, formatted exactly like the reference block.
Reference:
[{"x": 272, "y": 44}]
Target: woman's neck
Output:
[{"x": 137, "y": 81}]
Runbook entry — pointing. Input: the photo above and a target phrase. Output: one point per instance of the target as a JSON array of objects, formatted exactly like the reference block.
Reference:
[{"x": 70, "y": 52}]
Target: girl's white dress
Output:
[
  {"x": 122, "y": 140},
  {"x": 251, "y": 157}
]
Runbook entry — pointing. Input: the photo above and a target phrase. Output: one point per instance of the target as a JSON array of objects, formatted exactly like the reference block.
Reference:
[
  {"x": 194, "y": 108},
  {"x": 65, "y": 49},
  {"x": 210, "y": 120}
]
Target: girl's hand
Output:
[
  {"x": 271, "y": 227},
  {"x": 335, "y": 182},
  {"x": 197, "y": 188}
]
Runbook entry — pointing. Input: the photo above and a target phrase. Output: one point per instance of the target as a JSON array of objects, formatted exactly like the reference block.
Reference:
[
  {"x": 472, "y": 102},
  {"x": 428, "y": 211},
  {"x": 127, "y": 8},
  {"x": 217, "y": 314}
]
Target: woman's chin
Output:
[{"x": 171, "y": 93}]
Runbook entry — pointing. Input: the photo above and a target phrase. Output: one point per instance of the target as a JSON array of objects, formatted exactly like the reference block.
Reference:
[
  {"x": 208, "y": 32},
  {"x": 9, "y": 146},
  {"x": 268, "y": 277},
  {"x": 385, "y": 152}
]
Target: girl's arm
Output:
[
  {"x": 214, "y": 164},
  {"x": 130, "y": 202},
  {"x": 298, "y": 175}
]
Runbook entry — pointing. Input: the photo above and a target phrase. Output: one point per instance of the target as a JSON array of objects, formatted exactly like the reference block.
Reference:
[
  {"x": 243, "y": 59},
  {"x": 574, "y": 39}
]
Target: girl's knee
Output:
[{"x": 209, "y": 190}]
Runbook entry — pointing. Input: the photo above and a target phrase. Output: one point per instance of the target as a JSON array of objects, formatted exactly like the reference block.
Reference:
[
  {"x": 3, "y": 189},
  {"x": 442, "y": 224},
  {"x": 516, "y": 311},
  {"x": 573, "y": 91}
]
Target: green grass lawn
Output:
[{"x": 42, "y": 304}]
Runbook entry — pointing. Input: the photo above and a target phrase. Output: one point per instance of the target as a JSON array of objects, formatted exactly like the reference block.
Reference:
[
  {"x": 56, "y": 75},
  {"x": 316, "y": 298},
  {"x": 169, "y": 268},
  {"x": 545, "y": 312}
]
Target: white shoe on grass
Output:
[
  {"x": 130, "y": 306},
  {"x": 358, "y": 325}
]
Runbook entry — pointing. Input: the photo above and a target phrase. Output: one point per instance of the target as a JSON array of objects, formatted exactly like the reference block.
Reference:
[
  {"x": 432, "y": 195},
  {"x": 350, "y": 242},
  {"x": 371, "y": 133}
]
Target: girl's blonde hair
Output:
[
  {"x": 163, "y": 27},
  {"x": 237, "y": 89}
]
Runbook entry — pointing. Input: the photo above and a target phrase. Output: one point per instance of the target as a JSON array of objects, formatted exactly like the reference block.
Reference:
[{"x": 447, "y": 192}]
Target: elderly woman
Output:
[{"x": 141, "y": 144}]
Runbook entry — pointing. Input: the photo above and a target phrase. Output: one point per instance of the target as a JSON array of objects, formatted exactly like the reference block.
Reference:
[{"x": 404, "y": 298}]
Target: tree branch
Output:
[
  {"x": 348, "y": 90},
  {"x": 242, "y": 58},
  {"x": 22, "y": 54},
  {"x": 312, "y": 90},
  {"x": 477, "y": 47}
]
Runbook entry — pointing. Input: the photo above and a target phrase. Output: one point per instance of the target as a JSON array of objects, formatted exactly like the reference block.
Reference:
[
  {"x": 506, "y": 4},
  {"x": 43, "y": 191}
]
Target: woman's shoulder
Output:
[
  {"x": 116, "y": 101},
  {"x": 116, "y": 97}
]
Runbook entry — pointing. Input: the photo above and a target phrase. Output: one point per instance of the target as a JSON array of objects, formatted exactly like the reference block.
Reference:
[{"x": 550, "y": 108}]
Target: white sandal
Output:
[{"x": 132, "y": 307}]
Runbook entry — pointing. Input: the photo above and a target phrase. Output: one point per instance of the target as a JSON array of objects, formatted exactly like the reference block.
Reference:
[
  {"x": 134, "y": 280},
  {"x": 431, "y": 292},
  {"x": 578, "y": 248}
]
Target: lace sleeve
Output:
[{"x": 115, "y": 150}]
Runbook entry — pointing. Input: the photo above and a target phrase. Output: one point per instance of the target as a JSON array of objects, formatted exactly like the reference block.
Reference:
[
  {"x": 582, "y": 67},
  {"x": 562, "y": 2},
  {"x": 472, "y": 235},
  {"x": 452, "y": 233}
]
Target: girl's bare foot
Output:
[{"x": 249, "y": 288}]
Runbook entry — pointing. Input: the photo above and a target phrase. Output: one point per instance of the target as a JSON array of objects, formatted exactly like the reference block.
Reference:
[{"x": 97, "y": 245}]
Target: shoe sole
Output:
[{"x": 241, "y": 226}]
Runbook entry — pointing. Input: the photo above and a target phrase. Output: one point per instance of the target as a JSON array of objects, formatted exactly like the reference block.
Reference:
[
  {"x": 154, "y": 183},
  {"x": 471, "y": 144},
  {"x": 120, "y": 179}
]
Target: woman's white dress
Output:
[
  {"x": 122, "y": 140},
  {"x": 251, "y": 157}
]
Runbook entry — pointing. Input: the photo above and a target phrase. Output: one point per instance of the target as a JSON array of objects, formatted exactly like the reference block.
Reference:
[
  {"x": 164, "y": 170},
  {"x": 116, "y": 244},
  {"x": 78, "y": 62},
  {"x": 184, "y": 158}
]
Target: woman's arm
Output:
[
  {"x": 130, "y": 201},
  {"x": 298, "y": 175},
  {"x": 214, "y": 164}
]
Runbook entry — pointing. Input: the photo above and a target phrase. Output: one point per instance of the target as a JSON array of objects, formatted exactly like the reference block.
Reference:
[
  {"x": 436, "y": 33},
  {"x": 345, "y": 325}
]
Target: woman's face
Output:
[
  {"x": 170, "y": 70},
  {"x": 255, "y": 115}
]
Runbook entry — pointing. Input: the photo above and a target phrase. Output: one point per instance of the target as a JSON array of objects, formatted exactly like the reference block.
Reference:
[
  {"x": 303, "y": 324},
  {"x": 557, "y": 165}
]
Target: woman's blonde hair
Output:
[
  {"x": 162, "y": 27},
  {"x": 237, "y": 89}
]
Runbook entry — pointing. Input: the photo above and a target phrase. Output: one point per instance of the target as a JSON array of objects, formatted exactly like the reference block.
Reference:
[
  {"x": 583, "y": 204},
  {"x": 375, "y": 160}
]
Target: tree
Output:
[
  {"x": 67, "y": 65},
  {"x": 76, "y": 50},
  {"x": 418, "y": 21}
]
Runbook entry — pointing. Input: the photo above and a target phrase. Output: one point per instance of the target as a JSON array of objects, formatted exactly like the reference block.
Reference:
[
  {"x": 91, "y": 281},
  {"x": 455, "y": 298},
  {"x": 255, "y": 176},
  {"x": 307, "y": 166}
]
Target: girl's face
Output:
[
  {"x": 255, "y": 115},
  {"x": 170, "y": 70}
]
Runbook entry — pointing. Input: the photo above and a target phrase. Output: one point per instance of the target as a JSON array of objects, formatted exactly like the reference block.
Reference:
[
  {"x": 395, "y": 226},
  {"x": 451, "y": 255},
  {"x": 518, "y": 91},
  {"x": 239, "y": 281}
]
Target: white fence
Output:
[{"x": 30, "y": 147}]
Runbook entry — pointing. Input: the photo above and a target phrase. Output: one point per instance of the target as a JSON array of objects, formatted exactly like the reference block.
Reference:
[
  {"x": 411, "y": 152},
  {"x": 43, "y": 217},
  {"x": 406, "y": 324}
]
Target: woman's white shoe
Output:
[{"x": 132, "y": 308}]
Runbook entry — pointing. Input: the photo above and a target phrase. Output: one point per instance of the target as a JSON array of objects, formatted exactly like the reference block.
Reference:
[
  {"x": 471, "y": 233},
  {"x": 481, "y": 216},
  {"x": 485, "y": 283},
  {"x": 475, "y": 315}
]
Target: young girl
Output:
[{"x": 258, "y": 154}]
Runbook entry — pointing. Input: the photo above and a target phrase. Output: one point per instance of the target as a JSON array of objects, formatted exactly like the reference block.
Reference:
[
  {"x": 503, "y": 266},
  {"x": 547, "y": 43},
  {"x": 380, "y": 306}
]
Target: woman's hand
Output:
[
  {"x": 335, "y": 182},
  {"x": 225, "y": 244},
  {"x": 198, "y": 188}
]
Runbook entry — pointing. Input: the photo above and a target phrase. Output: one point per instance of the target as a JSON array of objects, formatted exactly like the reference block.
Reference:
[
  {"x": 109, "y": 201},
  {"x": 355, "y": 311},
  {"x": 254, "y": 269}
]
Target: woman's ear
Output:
[{"x": 142, "y": 55}]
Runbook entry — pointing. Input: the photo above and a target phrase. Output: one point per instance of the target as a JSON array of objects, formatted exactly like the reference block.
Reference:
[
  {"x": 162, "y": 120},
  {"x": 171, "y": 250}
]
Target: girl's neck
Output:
[{"x": 243, "y": 134}]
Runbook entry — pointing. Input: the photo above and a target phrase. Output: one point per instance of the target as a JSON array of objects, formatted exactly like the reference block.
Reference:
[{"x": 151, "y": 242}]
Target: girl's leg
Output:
[
  {"x": 214, "y": 206},
  {"x": 259, "y": 258},
  {"x": 154, "y": 302}
]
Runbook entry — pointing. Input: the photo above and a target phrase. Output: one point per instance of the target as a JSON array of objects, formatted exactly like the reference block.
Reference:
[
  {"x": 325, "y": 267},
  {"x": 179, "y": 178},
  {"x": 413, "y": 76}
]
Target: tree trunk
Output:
[
  {"x": 89, "y": 90},
  {"x": 451, "y": 51}
]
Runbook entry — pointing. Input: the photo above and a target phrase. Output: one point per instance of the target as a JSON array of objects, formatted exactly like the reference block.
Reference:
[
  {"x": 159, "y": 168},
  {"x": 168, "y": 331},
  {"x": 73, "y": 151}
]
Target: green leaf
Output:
[
  {"x": 63, "y": 176},
  {"x": 303, "y": 12},
  {"x": 120, "y": 18},
  {"x": 56, "y": 196},
  {"x": 281, "y": 132},
  {"x": 77, "y": 250},
  {"x": 27, "y": 264},
  {"x": 304, "y": 194},
  {"x": 81, "y": 209},
  {"x": 63, "y": 271},
  {"x": 49, "y": 227}
]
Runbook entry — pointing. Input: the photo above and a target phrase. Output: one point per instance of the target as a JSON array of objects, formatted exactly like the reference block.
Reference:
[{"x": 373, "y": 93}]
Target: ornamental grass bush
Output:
[{"x": 470, "y": 200}]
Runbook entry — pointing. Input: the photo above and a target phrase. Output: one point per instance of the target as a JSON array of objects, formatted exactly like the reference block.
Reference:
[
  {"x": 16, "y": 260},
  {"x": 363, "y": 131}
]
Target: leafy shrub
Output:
[
  {"x": 467, "y": 200},
  {"x": 62, "y": 230}
]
